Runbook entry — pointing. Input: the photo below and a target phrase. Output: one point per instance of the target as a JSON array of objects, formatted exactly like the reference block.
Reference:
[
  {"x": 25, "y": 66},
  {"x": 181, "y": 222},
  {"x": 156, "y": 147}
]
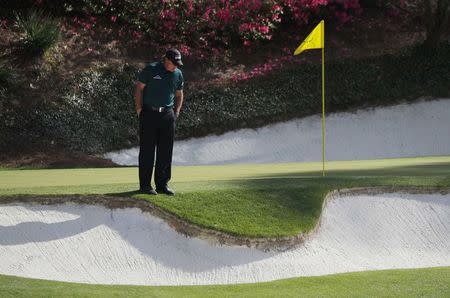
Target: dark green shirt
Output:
[{"x": 160, "y": 84}]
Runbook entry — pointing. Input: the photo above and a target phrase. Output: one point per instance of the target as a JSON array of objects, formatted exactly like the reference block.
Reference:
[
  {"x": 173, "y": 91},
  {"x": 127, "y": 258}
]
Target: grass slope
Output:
[{"x": 430, "y": 282}]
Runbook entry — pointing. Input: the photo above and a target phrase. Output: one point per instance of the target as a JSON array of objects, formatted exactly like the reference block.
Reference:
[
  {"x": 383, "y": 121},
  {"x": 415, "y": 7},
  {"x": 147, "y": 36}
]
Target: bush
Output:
[
  {"x": 200, "y": 28},
  {"x": 196, "y": 24},
  {"x": 40, "y": 33},
  {"x": 97, "y": 114}
]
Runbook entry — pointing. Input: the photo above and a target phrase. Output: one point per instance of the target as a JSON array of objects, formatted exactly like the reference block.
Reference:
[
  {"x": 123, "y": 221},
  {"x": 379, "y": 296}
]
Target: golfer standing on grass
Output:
[{"x": 158, "y": 98}]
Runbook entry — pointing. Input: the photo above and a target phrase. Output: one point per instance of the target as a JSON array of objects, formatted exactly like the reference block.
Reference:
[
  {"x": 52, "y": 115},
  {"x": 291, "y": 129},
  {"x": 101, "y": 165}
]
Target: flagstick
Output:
[
  {"x": 312, "y": 41},
  {"x": 323, "y": 100}
]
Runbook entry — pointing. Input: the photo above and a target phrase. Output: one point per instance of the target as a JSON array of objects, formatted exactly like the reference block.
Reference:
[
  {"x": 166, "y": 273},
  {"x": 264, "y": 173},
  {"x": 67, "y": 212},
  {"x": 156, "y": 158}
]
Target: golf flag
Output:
[{"x": 316, "y": 40}]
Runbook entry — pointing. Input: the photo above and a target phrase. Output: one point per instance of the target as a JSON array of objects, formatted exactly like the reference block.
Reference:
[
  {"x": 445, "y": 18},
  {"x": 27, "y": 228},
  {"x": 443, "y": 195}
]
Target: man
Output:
[{"x": 158, "y": 99}]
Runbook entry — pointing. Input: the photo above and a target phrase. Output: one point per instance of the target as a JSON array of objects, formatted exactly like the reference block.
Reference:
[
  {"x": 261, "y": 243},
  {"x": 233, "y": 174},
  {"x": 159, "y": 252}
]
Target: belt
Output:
[{"x": 156, "y": 109}]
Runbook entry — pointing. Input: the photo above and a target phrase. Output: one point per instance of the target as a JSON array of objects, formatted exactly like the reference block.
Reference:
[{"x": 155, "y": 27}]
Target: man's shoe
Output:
[
  {"x": 148, "y": 190},
  {"x": 165, "y": 190}
]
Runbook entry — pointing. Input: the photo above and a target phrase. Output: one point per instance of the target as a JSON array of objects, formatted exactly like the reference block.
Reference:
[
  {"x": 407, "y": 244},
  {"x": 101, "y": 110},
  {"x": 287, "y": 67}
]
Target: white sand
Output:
[
  {"x": 419, "y": 129},
  {"x": 96, "y": 245}
]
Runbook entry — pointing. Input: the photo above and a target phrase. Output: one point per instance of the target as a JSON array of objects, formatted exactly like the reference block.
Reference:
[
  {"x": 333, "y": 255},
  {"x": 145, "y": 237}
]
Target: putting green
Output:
[{"x": 420, "y": 166}]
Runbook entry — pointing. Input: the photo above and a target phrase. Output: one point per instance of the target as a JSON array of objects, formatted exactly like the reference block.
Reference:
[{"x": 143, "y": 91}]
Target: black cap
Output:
[{"x": 175, "y": 56}]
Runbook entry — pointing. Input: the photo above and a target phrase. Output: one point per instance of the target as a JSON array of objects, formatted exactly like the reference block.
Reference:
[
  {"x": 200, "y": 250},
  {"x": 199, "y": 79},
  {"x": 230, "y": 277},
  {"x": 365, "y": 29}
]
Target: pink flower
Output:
[
  {"x": 276, "y": 17},
  {"x": 224, "y": 15},
  {"x": 206, "y": 16},
  {"x": 113, "y": 19},
  {"x": 264, "y": 29},
  {"x": 277, "y": 8},
  {"x": 185, "y": 50},
  {"x": 247, "y": 27},
  {"x": 247, "y": 43},
  {"x": 189, "y": 7}
]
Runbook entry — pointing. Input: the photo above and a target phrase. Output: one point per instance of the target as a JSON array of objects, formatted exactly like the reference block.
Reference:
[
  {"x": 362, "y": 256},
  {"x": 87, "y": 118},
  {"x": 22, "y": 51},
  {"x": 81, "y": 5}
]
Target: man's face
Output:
[{"x": 169, "y": 65}]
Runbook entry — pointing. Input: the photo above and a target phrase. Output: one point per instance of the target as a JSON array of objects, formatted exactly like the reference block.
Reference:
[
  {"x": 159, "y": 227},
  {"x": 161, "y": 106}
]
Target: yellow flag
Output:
[{"x": 315, "y": 39}]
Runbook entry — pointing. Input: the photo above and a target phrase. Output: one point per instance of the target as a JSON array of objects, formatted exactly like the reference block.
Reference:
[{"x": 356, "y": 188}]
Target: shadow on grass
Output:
[{"x": 435, "y": 169}]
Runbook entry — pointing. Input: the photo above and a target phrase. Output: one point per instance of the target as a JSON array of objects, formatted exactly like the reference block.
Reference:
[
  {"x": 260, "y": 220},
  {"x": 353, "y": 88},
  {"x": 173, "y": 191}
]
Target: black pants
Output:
[{"x": 156, "y": 131}]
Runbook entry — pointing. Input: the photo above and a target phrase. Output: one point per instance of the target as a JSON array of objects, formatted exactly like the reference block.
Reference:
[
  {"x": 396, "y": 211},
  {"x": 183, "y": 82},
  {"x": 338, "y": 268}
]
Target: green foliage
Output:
[
  {"x": 40, "y": 33},
  {"x": 96, "y": 111},
  {"x": 94, "y": 114},
  {"x": 13, "y": 125}
]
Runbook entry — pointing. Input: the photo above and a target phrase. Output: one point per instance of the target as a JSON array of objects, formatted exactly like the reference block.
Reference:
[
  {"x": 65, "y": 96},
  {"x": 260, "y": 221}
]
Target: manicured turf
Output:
[
  {"x": 422, "y": 166},
  {"x": 430, "y": 282},
  {"x": 246, "y": 200},
  {"x": 250, "y": 200}
]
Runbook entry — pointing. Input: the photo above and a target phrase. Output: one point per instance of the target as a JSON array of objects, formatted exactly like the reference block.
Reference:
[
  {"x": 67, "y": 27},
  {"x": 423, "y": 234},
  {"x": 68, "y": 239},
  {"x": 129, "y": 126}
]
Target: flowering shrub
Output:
[
  {"x": 264, "y": 68},
  {"x": 202, "y": 24}
]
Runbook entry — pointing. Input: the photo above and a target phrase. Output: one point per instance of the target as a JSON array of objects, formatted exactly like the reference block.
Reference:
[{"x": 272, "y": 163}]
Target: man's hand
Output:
[
  {"x": 138, "y": 97},
  {"x": 179, "y": 102}
]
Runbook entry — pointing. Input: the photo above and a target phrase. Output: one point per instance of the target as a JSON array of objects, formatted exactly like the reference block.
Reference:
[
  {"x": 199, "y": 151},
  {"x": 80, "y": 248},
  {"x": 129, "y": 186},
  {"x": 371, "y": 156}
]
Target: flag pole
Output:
[
  {"x": 323, "y": 99},
  {"x": 316, "y": 40}
]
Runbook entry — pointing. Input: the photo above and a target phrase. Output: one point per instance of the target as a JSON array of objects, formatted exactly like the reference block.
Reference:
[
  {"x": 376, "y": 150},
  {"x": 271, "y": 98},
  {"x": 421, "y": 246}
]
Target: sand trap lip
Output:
[{"x": 94, "y": 244}]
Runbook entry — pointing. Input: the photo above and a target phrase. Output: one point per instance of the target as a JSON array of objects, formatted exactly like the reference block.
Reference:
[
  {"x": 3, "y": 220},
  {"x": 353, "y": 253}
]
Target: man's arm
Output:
[
  {"x": 138, "y": 93},
  {"x": 179, "y": 101}
]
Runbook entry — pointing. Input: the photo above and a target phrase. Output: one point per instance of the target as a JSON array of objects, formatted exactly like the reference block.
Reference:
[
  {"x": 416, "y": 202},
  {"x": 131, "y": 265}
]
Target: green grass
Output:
[
  {"x": 418, "y": 166},
  {"x": 430, "y": 282},
  {"x": 245, "y": 200},
  {"x": 40, "y": 32},
  {"x": 250, "y": 200}
]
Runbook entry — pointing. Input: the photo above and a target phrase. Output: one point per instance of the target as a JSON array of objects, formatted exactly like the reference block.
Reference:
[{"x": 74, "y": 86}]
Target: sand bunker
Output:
[
  {"x": 405, "y": 130},
  {"x": 93, "y": 244}
]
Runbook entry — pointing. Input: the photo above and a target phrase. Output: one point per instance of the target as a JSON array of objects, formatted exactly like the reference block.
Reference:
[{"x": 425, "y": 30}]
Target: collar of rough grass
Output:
[{"x": 215, "y": 237}]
